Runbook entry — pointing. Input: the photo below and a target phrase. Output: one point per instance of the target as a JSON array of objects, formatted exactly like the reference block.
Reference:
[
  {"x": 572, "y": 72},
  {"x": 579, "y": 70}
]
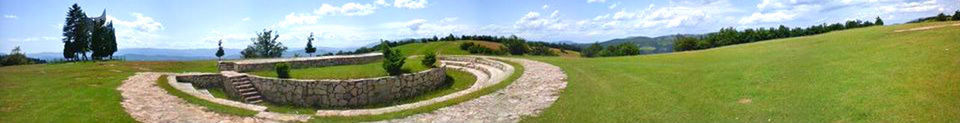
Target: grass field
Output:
[
  {"x": 374, "y": 69},
  {"x": 860, "y": 75},
  {"x": 453, "y": 48}
]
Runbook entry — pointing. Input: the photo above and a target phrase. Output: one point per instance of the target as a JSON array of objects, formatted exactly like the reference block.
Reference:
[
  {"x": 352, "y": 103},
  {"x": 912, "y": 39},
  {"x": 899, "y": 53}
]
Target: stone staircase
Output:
[{"x": 245, "y": 89}]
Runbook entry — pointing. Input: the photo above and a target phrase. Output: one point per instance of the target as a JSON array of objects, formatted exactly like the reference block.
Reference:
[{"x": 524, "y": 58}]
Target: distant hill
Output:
[
  {"x": 154, "y": 54},
  {"x": 648, "y": 45}
]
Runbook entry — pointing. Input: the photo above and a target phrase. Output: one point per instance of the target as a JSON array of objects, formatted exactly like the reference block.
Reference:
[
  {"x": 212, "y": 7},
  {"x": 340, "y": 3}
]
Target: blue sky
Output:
[{"x": 35, "y": 25}]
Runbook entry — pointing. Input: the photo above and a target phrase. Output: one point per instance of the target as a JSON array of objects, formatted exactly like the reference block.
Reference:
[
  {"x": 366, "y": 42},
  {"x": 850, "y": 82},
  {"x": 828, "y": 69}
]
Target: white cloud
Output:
[
  {"x": 293, "y": 18},
  {"x": 918, "y": 6},
  {"x": 768, "y": 17},
  {"x": 596, "y": 1},
  {"x": 142, "y": 23},
  {"x": 410, "y": 4},
  {"x": 545, "y": 7},
  {"x": 245, "y": 19},
  {"x": 381, "y": 2},
  {"x": 534, "y": 21},
  {"x": 612, "y": 6},
  {"x": 140, "y": 32},
  {"x": 30, "y": 39},
  {"x": 348, "y": 9},
  {"x": 10, "y": 16}
]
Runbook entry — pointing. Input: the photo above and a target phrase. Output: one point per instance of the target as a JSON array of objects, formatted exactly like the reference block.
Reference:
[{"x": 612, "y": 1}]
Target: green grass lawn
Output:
[
  {"x": 368, "y": 70},
  {"x": 860, "y": 75},
  {"x": 75, "y": 92},
  {"x": 453, "y": 48}
]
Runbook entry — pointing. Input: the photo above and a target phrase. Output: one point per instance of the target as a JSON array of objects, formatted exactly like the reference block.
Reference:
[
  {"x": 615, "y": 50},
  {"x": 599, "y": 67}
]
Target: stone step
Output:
[
  {"x": 242, "y": 90},
  {"x": 252, "y": 98},
  {"x": 247, "y": 94},
  {"x": 247, "y": 85},
  {"x": 255, "y": 101}
]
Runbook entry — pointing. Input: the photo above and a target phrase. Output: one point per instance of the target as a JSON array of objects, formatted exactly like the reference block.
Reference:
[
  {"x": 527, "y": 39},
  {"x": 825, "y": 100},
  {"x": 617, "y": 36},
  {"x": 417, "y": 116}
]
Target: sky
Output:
[{"x": 36, "y": 25}]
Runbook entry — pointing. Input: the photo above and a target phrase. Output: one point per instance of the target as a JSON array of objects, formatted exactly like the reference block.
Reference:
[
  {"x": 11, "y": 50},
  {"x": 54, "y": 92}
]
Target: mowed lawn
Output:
[
  {"x": 82, "y": 92},
  {"x": 369, "y": 70},
  {"x": 862, "y": 75}
]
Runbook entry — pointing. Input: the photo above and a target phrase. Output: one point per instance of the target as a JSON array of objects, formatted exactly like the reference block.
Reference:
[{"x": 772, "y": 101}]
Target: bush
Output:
[
  {"x": 541, "y": 50},
  {"x": 516, "y": 46},
  {"x": 14, "y": 58},
  {"x": 283, "y": 70},
  {"x": 429, "y": 60},
  {"x": 393, "y": 60}
]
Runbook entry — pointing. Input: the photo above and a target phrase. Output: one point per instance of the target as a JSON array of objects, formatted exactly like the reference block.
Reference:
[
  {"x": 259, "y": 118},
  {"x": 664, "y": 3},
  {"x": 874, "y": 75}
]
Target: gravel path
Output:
[
  {"x": 538, "y": 87},
  {"x": 148, "y": 103}
]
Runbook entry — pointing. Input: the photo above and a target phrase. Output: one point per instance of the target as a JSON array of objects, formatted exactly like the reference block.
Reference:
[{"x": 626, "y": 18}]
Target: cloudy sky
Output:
[{"x": 36, "y": 25}]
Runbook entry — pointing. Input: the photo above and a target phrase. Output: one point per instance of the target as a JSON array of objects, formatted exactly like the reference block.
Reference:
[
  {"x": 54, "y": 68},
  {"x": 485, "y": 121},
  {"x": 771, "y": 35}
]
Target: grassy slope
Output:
[
  {"x": 162, "y": 82},
  {"x": 453, "y": 48},
  {"x": 859, "y": 75},
  {"x": 374, "y": 69},
  {"x": 74, "y": 92}
]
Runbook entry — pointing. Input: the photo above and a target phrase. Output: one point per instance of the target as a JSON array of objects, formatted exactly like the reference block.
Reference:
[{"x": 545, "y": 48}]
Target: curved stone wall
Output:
[
  {"x": 354, "y": 92},
  {"x": 305, "y": 62}
]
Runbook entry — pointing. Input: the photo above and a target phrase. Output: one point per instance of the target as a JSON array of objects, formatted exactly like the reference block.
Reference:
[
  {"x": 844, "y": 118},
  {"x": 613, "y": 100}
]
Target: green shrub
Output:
[
  {"x": 283, "y": 70},
  {"x": 393, "y": 60},
  {"x": 429, "y": 60}
]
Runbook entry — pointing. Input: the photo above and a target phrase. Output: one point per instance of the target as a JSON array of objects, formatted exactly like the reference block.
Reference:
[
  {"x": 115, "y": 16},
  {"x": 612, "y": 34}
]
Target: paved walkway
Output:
[
  {"x": 148, "y": 103},
  {"x": 538, "y": 87}
]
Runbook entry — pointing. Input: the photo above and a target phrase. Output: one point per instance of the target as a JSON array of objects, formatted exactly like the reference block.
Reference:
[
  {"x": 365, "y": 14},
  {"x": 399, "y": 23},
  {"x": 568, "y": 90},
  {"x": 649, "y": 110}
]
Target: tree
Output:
[
  {"x": 393, "y": 60},
  {"x": 592, "y": 51},
  {"x": 15, "y": 58},
  {"x": 310, "y": 49},
  {"x": 219, "y": 50},
  {"x": 99, "y": 41},
  {"x": 956, "y": 16},
  {"x": 75, "y": 35},
  {"x": 516, "y": 45},
  {"x": 265, "y": 45},
  {"x": 429, "y": 60},
  {"x": 942, "y": 17},
  {"x": 111, "y": 43},
  {"x": 878, "y": 21},
  {"x": 683, "y": 43}
]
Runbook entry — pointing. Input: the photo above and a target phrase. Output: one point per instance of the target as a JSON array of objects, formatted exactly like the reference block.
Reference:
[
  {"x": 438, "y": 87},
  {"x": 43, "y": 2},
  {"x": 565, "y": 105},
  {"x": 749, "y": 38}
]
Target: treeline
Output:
[
  {"x": 82, "y": 35},
  {"x": 18, "y": 58},
  {"x": 623, "y": 49},
  {"x": 731, "y": 36},
  {"x": 939, "y": 17},
  {"x": 512, "y": 44}
]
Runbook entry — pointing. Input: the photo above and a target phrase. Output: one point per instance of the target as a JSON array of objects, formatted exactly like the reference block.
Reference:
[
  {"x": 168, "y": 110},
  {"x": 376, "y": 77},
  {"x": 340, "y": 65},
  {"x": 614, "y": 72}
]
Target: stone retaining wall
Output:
[
  {"x": 355, "y": 92},
  {"x": 306, "y": 62},
  {"x": 202, "y": 80}
]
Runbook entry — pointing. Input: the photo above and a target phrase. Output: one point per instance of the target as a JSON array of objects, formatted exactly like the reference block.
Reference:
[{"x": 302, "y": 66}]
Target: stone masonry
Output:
[{"x": 306, "y": 62}]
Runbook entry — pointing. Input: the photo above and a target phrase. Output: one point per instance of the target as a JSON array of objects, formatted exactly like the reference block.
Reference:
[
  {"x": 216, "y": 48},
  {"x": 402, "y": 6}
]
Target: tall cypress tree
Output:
[
  {"x": 73, "y": 32},
  {"x": 310, "y": 49},
  {"x": 956, "y": 16},
  {"x": 219, "y": 50},
  {"x": 111, "y": 40},
  {"x": 99, "y": 41}
]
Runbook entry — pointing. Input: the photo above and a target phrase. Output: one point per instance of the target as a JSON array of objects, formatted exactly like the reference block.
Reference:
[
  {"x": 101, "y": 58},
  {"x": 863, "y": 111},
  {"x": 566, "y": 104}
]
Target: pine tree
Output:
[
  {"x": 219, "y": 50},
  {"x": 310, "y": 49},
  {"x": 265, "y": 45},
  {"x": 879, "y": 22},
  {"x": 74, "y": 33},
  {"x": 99, "y": 41},
  {"x": 393, "y": 60},
  {"x": 111, "y": 43}
]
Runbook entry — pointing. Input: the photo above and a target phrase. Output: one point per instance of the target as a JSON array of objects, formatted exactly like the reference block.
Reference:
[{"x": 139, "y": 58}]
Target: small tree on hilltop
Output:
[
  {"x": 310, "y": 49},
  {"x": 220, "y": 50},
  {"x": 879, "y": 22},
  {"x": 393, "y": 60},
  {"x": 265, "y": 45},
  {"x": 15, "y": 58},
  {"x": 516, "y": 45},
  {"x": 429, "y": 60}
]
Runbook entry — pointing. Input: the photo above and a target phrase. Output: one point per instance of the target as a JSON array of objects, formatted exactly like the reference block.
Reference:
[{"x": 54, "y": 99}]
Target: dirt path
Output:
[
  {"x": 926, "y": 27},
  {"x": 148, "y": 103},
  {"x": 538, "y": 87}
]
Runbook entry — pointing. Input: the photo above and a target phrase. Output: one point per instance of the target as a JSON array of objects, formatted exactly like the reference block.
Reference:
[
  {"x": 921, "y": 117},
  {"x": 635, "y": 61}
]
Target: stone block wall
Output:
[
  {"x": 307, "y": 62},
  {"x": 355, "y": 92},
  {"x": 202, "y": 80}
]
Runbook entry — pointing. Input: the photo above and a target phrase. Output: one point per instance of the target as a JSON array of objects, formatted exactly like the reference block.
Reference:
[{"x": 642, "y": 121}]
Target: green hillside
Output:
[
  {"x": 861, "y": 75},
  {"x": 453, "y": 48}
]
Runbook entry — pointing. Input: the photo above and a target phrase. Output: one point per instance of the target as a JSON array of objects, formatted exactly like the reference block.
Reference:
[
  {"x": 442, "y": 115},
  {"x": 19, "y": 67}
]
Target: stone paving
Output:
[
  {"x": 146, "y": 102},
  {"x": 538, "y": 87}
]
